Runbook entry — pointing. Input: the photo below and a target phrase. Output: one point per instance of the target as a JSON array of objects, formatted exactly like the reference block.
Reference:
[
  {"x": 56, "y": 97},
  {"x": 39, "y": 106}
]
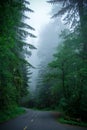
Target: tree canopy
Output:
[{"x": 14, "y": 68}]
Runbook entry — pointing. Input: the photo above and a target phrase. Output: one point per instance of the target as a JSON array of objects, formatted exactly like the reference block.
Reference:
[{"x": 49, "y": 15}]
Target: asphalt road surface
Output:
[{"x": 36, "y": 120}]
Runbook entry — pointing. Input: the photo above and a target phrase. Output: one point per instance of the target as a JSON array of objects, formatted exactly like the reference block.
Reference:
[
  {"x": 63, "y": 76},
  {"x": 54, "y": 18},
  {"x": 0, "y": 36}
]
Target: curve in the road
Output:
[{"x": 36, "y": 120}]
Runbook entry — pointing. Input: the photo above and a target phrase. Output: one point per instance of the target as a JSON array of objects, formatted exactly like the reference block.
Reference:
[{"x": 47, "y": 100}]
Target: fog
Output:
[{"x": 48, "y": 36}]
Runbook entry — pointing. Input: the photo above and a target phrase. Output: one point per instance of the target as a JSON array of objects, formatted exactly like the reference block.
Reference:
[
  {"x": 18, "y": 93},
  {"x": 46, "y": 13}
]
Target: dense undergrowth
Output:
[
  {"x": 11, "y": 113},
  {"x": 72, "y": 122}
]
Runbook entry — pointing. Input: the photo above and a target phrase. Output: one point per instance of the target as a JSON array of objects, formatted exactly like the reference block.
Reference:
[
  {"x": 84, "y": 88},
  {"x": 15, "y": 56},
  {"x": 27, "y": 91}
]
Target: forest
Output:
[
  {"x": 14, "y": 68},
  {"x": 62, "y": 83}
]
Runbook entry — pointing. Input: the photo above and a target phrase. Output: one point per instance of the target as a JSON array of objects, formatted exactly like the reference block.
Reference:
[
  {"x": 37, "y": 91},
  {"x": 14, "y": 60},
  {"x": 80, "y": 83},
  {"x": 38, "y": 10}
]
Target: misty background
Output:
[{"x": 48, "y": 32}]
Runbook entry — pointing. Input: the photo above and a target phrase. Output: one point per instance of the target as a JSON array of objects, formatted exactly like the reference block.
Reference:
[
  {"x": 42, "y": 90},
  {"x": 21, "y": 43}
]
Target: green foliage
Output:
[
  {"x": 12, "y": 113},
  {"x": 14, "y": 69},
  {"x": 67, "y": 75},
  {"x": 72, "y": 122},
  {"x": 63, "y": 81}
]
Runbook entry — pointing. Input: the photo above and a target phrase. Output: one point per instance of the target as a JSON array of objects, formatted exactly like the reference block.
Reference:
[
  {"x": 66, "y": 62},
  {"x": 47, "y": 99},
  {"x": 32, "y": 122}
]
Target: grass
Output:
[
  {"x": 10, "y": 114},
  {"x": 71, "y": 122}
]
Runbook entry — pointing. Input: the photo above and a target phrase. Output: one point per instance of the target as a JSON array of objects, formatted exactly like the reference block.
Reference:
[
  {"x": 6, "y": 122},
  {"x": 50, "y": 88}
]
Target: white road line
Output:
[{"x": 25, "y": 128}]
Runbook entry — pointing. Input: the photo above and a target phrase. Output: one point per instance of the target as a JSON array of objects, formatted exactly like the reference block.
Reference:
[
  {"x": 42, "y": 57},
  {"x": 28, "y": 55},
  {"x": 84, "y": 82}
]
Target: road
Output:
[{"x": 36, "y": 120}]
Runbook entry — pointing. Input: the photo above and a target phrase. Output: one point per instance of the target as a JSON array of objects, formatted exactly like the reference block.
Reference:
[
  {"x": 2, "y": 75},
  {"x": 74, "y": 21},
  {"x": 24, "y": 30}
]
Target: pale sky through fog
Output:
[
  {"x": 41, "y": 15},
  {"x": 47, "y": 32},
  {"x": 39, "y": 19},
  {"x": 47, "y": 35}
]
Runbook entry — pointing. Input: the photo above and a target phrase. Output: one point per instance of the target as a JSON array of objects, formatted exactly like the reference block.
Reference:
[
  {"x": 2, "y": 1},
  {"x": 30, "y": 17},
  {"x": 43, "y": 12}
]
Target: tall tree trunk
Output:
[
  {"x": 63, "y": 80},
  {"x": 83, "y": 23}
]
